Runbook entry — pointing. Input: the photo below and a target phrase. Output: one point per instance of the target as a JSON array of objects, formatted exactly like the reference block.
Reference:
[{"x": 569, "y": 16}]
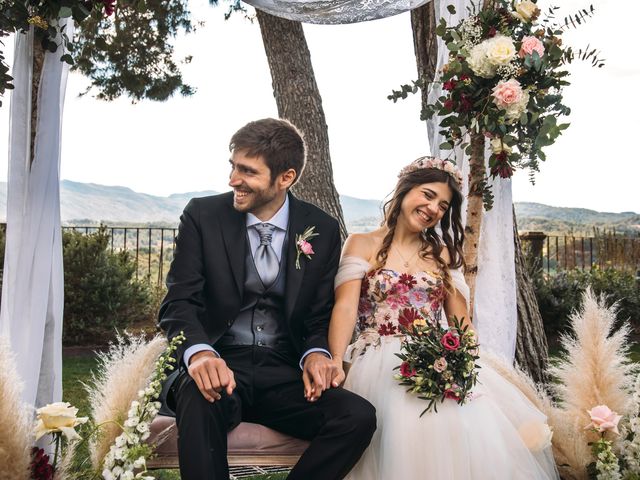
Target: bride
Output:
[{"x": 404, "y": 265}]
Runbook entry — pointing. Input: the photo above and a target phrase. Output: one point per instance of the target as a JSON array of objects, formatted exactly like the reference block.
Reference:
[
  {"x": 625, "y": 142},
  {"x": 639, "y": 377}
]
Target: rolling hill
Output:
[{"x": 89, "y": 203}]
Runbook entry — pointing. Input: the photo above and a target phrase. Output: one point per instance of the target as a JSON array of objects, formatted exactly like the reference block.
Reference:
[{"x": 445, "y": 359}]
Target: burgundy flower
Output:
[
  {"x": 492, "y": 32},
  {"x": 408, "y": 280},
  {"x": 503, "y": 169},
  {"x": 453, "y": 393},
  {"x": 387, "y": 329},
  {"x": 407, "y": 316},
  {"x": 41, "y": 469},
  {"x": 465, "y": 103},
  {"x": 450, "y": 341},
  {"x": 406, "y": 371},
  {"x": 449, "y": 85},
  {"x": 109, "y": 7},
  {"x": 464, "y": 77},
  {"x": 448, "y": 104}
]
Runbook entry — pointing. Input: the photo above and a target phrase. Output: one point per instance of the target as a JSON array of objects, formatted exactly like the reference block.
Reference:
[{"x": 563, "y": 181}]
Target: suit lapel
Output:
[
  {"x": 297, "y": 223},
  {"x": 233, "y": 226}
]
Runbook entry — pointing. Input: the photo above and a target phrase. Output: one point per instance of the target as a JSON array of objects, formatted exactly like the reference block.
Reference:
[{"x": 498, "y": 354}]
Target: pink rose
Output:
[
  {"x": 305, "y": 247},
  {"x": 406, "y": 371},
  {"x": 450, "y": 341},
  {"x": 440, "y": 365},
  {"x": 530, "y": 45},
  {"x": 603, "y": 419},
  {"x": 507, "y": 93}
]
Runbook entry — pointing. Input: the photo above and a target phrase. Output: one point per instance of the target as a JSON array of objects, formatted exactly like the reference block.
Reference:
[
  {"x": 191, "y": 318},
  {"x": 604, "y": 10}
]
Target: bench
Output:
[{"x": 248, "y": 444}]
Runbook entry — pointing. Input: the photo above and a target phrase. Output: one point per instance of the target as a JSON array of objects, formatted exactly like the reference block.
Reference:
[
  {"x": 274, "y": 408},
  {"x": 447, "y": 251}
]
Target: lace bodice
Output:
[{"x": 389, "y": 299}]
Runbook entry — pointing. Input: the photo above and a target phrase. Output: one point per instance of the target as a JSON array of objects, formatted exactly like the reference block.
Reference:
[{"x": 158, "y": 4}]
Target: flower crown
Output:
[{"x": 432, "y": 162}]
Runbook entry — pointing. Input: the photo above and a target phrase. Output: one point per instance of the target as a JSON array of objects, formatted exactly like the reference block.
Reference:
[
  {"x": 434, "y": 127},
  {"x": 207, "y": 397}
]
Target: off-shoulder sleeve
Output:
[
  {"x": 351, "y": 268},
  {"x": 457, "y": 278}
]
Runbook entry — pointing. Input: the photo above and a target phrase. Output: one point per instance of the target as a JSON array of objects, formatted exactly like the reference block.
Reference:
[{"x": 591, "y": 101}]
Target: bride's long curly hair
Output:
[{"x": 432, "y": 243}]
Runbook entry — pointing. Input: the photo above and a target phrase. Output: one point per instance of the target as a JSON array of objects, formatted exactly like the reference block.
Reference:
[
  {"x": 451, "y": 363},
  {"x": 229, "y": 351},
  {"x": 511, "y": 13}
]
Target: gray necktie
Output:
[{"x": 265, "y": 257}]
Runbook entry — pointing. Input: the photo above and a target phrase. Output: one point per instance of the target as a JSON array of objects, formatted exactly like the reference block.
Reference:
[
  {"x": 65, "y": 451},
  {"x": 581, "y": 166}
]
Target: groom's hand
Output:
[
  {"x": 317, "y": 374},
  {"x": 211, "y": 375}
]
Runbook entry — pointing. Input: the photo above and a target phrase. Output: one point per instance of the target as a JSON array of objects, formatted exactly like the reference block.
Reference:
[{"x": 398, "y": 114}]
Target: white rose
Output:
[
  {"x": 497, "y": 147},
  {"x": 500, "y": 50},
  {"x": 58, "y": 417},
  {"x": 535, "y": 435},
  {"x": 479, "y": 63},
  {"x": 526, "y": 10}
]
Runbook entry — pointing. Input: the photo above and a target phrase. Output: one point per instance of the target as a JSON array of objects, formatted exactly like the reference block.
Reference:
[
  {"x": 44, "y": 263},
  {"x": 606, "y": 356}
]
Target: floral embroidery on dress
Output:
[{"x": 389, "y": 299}]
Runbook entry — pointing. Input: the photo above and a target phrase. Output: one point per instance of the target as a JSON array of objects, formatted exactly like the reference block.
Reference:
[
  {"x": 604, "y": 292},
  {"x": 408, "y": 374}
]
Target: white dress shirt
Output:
[{"x": 280, "y": 220}]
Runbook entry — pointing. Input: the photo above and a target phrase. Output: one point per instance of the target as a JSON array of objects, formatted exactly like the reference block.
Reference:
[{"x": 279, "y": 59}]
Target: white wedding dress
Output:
[{"x": 498, "y": 434}]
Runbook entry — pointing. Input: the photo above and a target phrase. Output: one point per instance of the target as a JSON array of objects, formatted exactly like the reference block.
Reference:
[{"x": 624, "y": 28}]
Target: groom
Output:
[{"x": 255, "y": 313}]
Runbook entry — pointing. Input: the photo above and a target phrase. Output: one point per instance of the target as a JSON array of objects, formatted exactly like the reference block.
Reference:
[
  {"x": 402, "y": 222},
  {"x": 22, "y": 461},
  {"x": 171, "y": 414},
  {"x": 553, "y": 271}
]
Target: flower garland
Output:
[
  {"x": 503, "y": 79},
  {"x": 129, "y": 452}
]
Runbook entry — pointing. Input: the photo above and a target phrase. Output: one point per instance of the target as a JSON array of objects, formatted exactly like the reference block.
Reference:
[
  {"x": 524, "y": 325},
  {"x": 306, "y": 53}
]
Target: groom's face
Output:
[{"x": 253, "y": 190}]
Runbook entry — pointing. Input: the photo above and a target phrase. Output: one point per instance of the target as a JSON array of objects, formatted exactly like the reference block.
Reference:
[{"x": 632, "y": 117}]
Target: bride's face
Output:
[{"x": 425, "y": 205}]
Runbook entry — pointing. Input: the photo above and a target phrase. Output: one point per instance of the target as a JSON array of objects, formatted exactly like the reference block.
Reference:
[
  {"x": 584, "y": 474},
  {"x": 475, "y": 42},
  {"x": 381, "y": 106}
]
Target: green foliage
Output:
[
  {"x": 133, "y": 55},
  {"x": 558, "y": 295},
  {"x": 49, "y": 18},
  {"x": 123, "y": 50},
  {"x": 101, "y": 293}
]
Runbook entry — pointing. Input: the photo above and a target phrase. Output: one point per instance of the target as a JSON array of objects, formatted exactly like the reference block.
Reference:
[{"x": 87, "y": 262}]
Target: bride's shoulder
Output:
[{"x": 362, "y": 245}]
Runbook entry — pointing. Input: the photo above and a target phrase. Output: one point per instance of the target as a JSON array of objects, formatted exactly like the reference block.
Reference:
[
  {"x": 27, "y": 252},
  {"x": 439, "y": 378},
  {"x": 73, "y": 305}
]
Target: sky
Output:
[{"x": 181, "y": 145}]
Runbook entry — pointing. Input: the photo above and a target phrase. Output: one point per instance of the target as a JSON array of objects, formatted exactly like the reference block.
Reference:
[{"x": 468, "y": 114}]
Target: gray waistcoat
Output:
[{"x": 261, "y": 319}]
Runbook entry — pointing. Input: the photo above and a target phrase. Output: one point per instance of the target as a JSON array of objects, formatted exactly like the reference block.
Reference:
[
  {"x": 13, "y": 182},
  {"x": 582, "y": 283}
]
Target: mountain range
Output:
[{"x": 90, "y": 203}]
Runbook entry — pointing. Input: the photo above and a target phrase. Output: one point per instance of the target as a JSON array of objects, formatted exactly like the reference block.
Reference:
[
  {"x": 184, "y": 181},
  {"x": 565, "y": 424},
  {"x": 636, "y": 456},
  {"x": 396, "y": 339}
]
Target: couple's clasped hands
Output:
[
  {"x": 212, "y": 375},
  {"x": 320, "y": 373}
]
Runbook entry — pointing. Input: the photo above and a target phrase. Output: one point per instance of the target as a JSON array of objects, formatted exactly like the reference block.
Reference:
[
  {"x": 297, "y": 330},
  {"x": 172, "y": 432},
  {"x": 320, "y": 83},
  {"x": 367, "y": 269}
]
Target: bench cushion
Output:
[{"x": 248, "y": 444}]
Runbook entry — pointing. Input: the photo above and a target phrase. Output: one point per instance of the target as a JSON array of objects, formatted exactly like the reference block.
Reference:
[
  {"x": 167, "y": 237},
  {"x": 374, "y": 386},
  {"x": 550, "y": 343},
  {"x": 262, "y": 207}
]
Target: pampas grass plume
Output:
[
  {"x": 16, "y": 432},
  {"x": 595, "y": 370},
  {"x": 123, "y": 371}
]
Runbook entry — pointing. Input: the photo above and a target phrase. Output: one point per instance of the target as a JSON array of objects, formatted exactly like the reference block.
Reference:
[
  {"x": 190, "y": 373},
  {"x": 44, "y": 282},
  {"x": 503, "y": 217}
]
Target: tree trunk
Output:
[
  {"x": 38, "y": 64},
  {"x": 474, "y": 212},
  {"x": 425, "y": 45},
  {"x": 531, "y": 344},
  {"x": 298, "y": 100}
]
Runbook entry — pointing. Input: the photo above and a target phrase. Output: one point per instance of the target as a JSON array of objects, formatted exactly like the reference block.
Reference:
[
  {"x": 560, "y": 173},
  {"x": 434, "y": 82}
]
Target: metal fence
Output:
[
  {"x": 563, "y": 252},
  {"x": 151, "y": 248}
]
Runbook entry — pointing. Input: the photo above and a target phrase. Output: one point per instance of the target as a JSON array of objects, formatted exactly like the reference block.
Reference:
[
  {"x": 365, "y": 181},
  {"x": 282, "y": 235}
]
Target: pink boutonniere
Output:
[{"x": 303, "y": 247}]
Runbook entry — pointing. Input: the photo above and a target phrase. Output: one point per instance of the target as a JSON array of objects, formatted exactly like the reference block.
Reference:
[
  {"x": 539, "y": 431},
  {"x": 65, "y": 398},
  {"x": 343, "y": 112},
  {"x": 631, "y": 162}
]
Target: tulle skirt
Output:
[{"x": 497, "y": 435}]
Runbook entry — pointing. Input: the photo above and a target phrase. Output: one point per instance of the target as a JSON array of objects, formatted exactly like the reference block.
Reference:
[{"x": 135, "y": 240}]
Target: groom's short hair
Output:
[{"x": 278, "y": 141}]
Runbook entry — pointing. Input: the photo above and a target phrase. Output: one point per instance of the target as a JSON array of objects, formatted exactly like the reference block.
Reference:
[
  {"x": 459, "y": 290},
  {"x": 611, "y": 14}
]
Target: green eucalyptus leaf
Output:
[
  {"x": 451, "y": 9},
  {"x": 445, "y": 146},
  {"x": 65, "y": 12}
]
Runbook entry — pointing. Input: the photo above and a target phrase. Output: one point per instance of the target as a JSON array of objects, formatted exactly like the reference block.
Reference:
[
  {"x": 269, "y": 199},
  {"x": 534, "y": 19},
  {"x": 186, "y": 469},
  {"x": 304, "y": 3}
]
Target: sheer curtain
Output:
[
  {"x": 335, "y": 11},
  {"x": 32, "y": 290},
  {"x": 495, "y": 309}
]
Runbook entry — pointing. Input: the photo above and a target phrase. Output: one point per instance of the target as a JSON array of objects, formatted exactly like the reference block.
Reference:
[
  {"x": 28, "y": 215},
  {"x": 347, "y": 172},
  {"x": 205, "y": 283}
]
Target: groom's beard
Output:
[{"x": 254, "y": 198}]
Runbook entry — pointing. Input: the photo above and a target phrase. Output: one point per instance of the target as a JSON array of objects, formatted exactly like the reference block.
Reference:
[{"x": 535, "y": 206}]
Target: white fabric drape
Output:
[
  {"x": 32, "y": 290},
  {"x": 495, "y": 309},
  {"x": 335, "y": 11}
]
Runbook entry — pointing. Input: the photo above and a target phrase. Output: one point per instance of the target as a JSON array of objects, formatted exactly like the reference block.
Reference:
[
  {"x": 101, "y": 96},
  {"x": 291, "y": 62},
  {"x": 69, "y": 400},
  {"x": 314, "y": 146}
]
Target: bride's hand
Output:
[{"x": 338, "y": 373}]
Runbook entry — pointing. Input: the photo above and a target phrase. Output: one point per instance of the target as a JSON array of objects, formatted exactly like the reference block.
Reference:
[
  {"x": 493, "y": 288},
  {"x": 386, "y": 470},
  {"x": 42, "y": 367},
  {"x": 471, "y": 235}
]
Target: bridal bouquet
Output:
[{"x": 438, "y": 363}]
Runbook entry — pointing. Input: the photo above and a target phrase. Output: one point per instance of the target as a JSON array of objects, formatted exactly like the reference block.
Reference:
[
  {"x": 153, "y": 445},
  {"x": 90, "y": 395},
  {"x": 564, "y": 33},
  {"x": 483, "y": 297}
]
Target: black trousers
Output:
[{"x": 270, "y": 392}]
